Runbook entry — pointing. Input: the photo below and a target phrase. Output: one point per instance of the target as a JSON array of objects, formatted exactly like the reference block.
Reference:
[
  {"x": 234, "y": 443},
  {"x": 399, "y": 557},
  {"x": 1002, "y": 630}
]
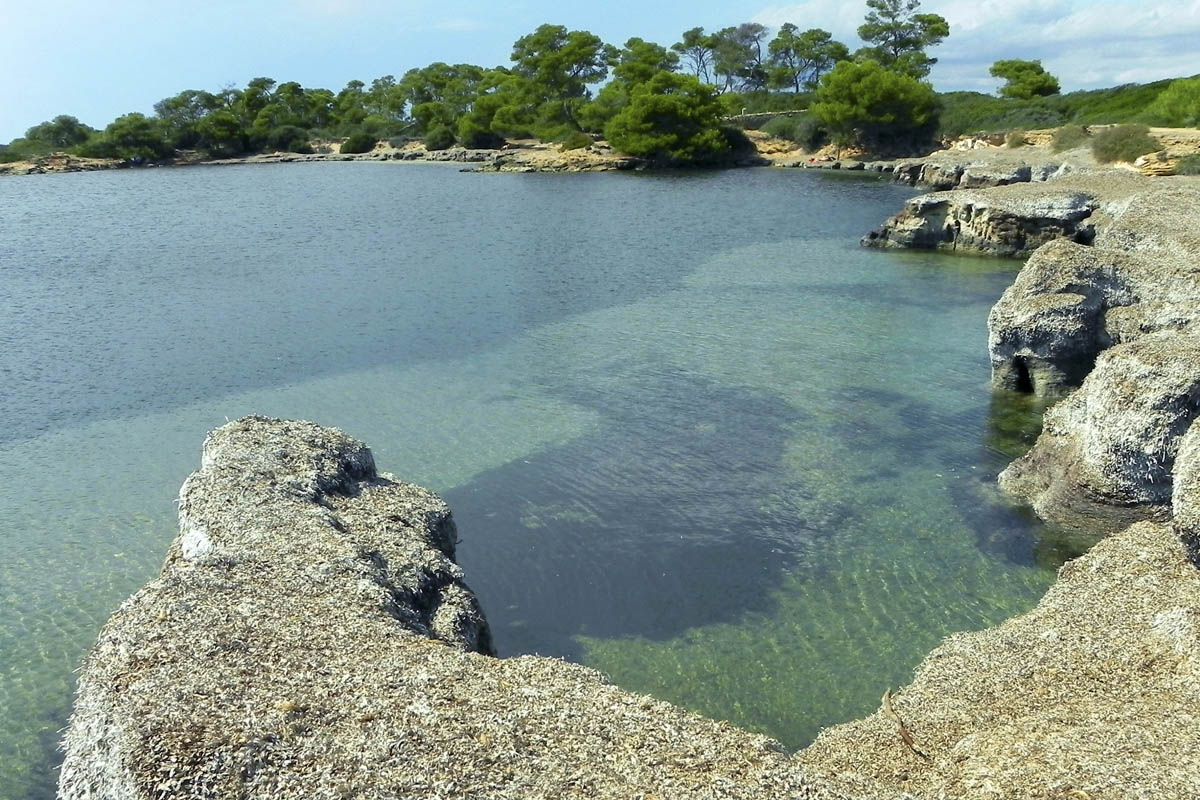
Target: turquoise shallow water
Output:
[{"x": 692, "y": 434}]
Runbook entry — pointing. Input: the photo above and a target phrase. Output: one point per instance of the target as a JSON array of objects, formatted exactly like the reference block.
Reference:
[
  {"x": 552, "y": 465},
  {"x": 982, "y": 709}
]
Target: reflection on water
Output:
[{"x": 693, "y": 435}]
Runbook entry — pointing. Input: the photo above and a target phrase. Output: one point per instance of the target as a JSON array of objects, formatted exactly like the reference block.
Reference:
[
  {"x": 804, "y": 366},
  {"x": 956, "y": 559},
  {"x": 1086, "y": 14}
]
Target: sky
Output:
[{"x": 96, "y": 61}]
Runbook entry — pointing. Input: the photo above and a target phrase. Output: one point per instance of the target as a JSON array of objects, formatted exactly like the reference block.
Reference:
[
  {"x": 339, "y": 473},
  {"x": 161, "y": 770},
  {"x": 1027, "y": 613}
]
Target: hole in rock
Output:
[{"x": 1024, "y": 381}]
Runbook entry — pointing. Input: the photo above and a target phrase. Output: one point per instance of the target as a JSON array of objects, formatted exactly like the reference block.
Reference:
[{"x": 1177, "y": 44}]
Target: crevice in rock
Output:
[{"x": 1023, "y": 381}]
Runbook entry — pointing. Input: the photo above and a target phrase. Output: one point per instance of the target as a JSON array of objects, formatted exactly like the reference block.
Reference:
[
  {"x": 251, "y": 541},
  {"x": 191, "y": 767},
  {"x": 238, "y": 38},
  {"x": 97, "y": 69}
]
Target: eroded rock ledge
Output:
[{"x": 311, "y": 637}]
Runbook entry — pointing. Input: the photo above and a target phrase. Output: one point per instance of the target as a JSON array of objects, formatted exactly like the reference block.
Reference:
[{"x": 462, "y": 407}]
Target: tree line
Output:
[{"x": 653, "y": 100}]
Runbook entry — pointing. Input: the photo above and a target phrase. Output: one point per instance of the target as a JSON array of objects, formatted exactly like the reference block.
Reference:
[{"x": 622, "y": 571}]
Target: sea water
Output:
[{"x": 692, "y": 434}]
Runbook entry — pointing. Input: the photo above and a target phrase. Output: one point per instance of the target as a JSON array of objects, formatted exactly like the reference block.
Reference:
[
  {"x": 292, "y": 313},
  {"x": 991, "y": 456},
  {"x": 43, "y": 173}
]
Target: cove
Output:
[{"x": 693, "y": 436}]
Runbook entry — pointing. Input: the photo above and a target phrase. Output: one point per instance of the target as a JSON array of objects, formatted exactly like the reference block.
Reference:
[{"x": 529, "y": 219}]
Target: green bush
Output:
[
  {"x": 576, "y": 141},
  {"x": 1123, "y": 143},
  {"x": 1068, "y": 137},
  {"x": 1188, "y": 165},
  {"x": 805, "y": 131},
  {"x": 439, "y": 138},
  {"x": 359, "y": 142},
  {"x": 1015, "y": 139},
  {"x": 289, "y": 139},
  {"x": 471, "y": 133},
  {"x": 1178, "y": 106},
  {"x": 672, "y": 119},
  {"x": 739, "y": 143}
]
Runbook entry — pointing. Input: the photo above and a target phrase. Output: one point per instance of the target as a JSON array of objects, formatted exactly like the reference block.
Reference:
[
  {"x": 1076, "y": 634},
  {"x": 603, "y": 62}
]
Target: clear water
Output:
[{"x": 692, "y": 434}]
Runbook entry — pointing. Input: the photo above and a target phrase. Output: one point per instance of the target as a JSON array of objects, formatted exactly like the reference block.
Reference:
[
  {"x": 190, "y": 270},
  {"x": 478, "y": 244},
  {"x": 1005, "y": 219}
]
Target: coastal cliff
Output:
[{"x": 310, "y": 636}]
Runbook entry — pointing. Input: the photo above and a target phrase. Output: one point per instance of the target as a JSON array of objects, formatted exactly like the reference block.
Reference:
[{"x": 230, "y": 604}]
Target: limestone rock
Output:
[
  {"x": 1093, "y": 694},
  {"x": 977, "y": 223},
  {"x": 1071, "y": 302},
  {"x": 1108, "y": 450},
  {"x": 311, "y": 637},
  {"x": 1046, "y": 330}
]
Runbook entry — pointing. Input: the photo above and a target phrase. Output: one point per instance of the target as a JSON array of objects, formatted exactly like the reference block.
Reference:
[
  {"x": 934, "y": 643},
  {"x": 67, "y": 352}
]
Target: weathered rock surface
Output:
[
  {"x": 1106, "y": 453},
  {"x": 947, "y": 170},
  {"x": 1093, "y": 694},
  {"x": 972, "y": 222},
  {"x": 311, "y": 637},
  {"x": 1141, "y": 275}
]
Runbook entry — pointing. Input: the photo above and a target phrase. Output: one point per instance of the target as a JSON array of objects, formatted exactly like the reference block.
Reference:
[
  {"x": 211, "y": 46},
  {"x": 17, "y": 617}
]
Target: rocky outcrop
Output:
[
  {"x": 972, "y": 222},
  {"x": 310, "y": 636},
  {"x": 958, "y": 171},
  {"x": 1071, "y": 302},
  {"x": 60, "y": 162},
  {"x": 1107, "y": 452},
  {"x": 1093, "y": 694}
]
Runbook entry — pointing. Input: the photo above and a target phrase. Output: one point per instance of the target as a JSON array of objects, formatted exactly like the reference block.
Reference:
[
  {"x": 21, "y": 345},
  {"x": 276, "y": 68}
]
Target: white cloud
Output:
[{"x": 1085, "y": 43}]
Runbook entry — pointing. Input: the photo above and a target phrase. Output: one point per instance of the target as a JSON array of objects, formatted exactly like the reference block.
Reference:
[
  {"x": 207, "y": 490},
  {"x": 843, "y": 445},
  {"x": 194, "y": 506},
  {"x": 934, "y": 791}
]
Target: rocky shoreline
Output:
[{"x": 311, "y": 636}]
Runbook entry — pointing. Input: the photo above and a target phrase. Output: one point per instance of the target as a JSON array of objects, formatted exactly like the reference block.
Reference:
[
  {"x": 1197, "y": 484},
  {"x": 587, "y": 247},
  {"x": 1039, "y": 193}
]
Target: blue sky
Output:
[{"x": 99, "y": 60}]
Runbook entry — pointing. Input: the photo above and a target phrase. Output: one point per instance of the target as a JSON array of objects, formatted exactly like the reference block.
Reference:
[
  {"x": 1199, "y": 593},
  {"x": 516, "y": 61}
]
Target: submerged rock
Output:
[{"x": 310, "y": 636}]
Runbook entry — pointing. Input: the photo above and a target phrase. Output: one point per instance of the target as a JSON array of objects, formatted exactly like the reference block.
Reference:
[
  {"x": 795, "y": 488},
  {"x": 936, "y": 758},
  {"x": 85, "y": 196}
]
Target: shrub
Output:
[
  {"x": 878, "y": 108},
  {"x": 1188, "y": 165},
  {"x": 805, "y": 131},
  {"x": 1178, "y": 106},
  {"x": 439, "y": 138},
  {"x": 576, "y": 140},
  {"x": 1068, "y": 137},
  {"x": 359, "y": 142},
  {"x": 1015, "y": 139},
  {"x": 1123, "y": 143},
  {"x": 471, "y": 133},
  {"x": 671, "y": 118},
  {"x": 739, "y": 143},
  {"x": 289, "y": 139}
]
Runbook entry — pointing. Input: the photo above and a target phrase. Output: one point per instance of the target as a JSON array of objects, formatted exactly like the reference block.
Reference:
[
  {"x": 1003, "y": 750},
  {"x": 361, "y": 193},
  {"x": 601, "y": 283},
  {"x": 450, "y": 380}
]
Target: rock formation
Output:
[
  {"x": 1070, "y": 302},
  {"x": 1093, "y": 694},
  {"x": 1107, "y": 452},
  {"x": 969, "y": 222},
  {"x": 311, "y": 637},
  {"x": 1110, "y": 293}
]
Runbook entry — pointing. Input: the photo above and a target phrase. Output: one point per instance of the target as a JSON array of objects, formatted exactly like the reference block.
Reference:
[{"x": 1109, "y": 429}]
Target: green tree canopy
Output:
[
  {"x": 637, "y": 62},
  {"x": 898, "y": 36},
  {"x": 440, "y": 94},
  {"x": 738, "y": 58},
  {"x": 697, "y": 49},
  {"x": 671, "y": 118},
  {"x": 1178, "y": 105},
  {"x": 554, "y": 66},
  {"x": 799, "y": 59},
  {"x": 134, "y": 137},
  {"x": 864, "y": 102},
  {"x": 60, "y": 133},
  {"x": 1024, "y": 79}
]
